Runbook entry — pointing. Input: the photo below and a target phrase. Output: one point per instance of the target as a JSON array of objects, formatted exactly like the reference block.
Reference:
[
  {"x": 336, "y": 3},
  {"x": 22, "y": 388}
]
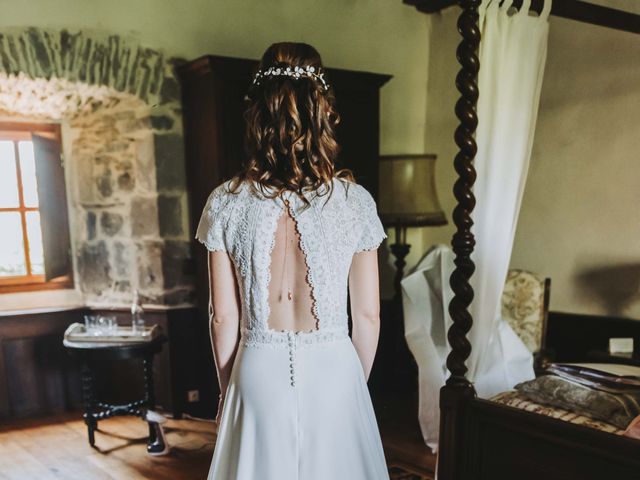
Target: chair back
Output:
[{"x": 525, "y": 305}]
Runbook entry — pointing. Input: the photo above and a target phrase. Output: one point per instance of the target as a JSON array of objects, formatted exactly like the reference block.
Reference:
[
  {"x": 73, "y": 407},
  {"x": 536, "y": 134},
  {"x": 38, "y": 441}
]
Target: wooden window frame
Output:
[{"x": 15, "y": 132}]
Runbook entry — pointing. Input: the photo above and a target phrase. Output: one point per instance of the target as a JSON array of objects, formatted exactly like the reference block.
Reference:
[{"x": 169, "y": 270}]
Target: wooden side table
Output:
[{"x": 89, "y": 353}]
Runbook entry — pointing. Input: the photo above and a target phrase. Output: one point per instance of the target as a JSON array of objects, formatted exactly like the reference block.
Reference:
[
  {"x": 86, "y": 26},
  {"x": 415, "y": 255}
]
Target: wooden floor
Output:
[
  {"x": 57, "y": 448},
  {"x": 396, "y": 414}
]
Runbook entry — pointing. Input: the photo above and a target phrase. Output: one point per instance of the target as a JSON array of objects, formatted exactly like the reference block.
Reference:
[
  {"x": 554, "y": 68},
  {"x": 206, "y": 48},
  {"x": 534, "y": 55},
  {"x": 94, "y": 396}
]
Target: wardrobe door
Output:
[{"x": 358, "y": 102}]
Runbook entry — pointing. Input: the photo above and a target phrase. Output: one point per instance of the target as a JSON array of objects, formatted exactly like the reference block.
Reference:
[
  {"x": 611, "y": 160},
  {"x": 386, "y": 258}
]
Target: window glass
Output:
[
  {"x": 12, "y": 261},
  {"x": 8, "y": 180}
]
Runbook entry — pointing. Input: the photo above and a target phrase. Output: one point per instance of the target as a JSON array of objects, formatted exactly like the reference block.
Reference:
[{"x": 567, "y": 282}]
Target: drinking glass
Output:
[
  {"x": 91, "y": 324},
  {"x": 107, "y": 324}
]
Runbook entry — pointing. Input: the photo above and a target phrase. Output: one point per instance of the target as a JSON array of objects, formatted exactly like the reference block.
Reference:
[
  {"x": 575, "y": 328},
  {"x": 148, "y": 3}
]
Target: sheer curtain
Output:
[
  {"x": 513, "y": 52},
  {"x": 512, "y": 57}
]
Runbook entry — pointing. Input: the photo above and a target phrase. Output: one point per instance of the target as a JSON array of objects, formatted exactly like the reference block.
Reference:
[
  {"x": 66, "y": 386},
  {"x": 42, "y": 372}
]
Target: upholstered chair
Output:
[{"x": 525, "y": 305}]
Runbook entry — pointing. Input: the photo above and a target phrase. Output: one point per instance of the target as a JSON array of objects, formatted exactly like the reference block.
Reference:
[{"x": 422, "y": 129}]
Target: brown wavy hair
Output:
[{"x": 290, "y": 139}]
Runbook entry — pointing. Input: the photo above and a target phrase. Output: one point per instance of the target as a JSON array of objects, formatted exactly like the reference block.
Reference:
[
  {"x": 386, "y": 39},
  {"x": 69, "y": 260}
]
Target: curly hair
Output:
[{"x": 290, "y": 139}]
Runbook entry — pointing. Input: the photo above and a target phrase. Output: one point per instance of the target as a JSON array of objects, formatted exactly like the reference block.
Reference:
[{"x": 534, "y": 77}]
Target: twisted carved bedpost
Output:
[{"x": 458, "y": 390}]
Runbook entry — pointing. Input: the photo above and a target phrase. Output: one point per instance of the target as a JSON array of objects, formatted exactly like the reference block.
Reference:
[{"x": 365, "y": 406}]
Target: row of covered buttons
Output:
[{"x": 292, "y": 357}]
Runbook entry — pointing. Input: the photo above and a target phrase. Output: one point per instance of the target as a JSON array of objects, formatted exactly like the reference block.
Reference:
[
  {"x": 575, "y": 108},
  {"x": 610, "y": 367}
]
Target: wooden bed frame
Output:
[{"x": 480, "y": 439}]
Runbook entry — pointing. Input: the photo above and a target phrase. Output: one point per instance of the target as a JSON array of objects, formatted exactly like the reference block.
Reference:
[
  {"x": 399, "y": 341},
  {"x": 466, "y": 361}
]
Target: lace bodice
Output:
[{"x": 331, "y": 231}]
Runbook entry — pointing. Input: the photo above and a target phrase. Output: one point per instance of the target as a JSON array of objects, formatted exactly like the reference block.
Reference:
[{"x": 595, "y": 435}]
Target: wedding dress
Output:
[{"x": 297, "y": 406}]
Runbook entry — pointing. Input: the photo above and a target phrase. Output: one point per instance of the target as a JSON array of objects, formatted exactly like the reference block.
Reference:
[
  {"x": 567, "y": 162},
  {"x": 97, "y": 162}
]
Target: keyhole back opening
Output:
[{"x": 291, "y": 294}]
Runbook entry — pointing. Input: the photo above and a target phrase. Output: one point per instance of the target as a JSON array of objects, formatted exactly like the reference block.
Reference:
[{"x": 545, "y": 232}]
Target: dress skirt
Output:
[{"x": 298, "y": 411}]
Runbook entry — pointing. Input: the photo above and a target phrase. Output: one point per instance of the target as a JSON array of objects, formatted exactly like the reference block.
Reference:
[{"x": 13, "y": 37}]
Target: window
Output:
[{"x": 34, "y": 239}]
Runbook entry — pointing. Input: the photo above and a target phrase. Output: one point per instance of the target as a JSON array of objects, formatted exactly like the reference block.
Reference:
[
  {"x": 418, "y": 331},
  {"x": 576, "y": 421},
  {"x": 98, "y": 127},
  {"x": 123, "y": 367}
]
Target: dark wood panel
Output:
[
  {"x": 572, "y": 336},
  {"x": 511, "y": 443},
  {"x": 36, "y": 377}
]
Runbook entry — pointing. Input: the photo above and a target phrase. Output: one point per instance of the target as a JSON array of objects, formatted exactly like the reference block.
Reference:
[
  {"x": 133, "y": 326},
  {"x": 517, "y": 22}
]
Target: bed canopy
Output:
[{"x": 480, "y": 439}]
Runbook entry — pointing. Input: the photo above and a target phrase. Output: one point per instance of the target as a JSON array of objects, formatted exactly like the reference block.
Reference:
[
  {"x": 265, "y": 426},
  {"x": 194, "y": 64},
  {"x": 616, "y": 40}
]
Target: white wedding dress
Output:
[{"x": 297, "y": 406}]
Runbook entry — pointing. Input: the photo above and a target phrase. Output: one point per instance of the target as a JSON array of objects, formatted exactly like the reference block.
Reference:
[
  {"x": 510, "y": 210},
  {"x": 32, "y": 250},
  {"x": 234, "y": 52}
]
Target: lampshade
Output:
[{"x": 407, "y": 193}]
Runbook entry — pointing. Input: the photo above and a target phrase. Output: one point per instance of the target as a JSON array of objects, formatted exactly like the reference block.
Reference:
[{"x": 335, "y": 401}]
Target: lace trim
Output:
[
  {"x": 211, "y": 245},
  {"x": 371, "y": 242},
  {"x": 282, "y": 338},
  {"x": 265, "y": 308},
  {"x": 211, "y": 228},
  {"x": 311, "y": 278},
  {"x": 255, "y": 242},
  {"x": 373, "y": 232}
]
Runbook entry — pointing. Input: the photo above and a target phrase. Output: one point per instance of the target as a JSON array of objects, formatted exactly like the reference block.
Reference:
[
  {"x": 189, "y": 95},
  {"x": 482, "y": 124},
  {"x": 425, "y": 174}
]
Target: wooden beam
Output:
[
  {"x": 431, "y": 6},
  {"x": 571, "y": 9},
  {"x": 595, "y": 15}
]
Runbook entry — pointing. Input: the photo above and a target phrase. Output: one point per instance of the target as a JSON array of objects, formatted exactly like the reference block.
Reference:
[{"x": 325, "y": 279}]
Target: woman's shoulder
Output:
[
  {"x": 223, "y": 194},
  {"x": 354, "y": 193}
]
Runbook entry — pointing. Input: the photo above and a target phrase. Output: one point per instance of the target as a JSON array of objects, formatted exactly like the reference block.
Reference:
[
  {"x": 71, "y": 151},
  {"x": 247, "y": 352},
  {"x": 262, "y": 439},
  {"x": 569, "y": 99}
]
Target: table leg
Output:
[
  {"x": 150, "y": 398},
  {"x": 88, "y": 397}
]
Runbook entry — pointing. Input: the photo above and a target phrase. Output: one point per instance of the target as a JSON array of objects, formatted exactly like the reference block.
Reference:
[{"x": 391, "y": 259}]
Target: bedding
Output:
[
  {"x": 605, "y": 392},
  {"x": 513, "y": 398},
  {"x": 618, "y": 409},
  {"x": 613, "y": 378}
]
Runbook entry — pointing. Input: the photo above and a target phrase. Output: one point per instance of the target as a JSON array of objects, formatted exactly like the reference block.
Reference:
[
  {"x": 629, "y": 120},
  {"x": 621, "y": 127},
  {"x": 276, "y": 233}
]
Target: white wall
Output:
[{"x": 580, "y": 220}]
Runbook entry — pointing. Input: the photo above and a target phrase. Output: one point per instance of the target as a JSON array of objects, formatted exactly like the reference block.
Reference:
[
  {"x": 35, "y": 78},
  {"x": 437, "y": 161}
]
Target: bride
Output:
[{"x": 288, "y": 238}]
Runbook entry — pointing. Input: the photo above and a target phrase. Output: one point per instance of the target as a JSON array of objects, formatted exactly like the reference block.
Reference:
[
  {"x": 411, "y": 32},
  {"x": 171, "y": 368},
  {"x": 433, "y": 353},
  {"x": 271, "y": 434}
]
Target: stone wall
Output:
[{"x": 119, "y": 105}]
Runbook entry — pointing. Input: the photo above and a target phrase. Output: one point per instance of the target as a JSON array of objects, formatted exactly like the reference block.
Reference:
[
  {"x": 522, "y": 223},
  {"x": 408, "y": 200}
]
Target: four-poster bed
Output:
[{"x": 480, "y": 439}]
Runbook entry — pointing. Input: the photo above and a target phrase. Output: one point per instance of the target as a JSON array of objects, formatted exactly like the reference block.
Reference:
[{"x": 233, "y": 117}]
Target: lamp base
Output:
[{"x": 400, "y": 251}]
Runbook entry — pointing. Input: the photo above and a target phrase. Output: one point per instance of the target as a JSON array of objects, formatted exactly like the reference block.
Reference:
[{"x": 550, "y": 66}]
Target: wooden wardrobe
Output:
[{"x": 213, "y": 89}]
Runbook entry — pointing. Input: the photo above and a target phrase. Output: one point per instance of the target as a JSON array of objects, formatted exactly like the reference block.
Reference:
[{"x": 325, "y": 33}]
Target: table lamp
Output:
[{"x": 407, "y": 198}]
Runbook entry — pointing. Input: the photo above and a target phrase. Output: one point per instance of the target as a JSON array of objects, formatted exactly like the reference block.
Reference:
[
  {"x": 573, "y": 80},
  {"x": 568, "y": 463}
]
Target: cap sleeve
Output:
[
  {"x": 210, "y": 229},
  {"x": 371, "y": 230}
]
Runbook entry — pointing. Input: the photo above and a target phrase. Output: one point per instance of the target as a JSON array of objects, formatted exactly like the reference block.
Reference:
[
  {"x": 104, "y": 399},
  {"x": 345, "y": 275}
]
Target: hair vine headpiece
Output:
[{"x": 294, "y": 72}]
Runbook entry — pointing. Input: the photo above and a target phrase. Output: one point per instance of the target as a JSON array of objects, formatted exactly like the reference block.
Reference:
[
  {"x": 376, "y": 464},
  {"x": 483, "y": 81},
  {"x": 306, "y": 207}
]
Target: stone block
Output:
[
  {"x": 123, "y": 286},
  {"x": 144, "y": 216},
  {"x": 126, "y": 182},
  {"x": 111, "y": 223},
  {"x": 169, "y": 154},
  {"x": 170, "y": 90},
  {"x": 162, "y": 122},
  {"x": 91, "y": 225},
  {"x": 145, "y": 163},
  {"x": 94, "y": 267},
  {"x": 149, "y": 260},
  {"x": 104, "y": 183},
  {"x": 133, "y": 124},
  {"x": 118, "y": 146},
  {"x": 122, "y": 260},
  {"x": 170, "y": 215},
  {"x": 176, "y": 264},
  {"x": 124, "y": 172},
  {"x": 83, "y": 173}
]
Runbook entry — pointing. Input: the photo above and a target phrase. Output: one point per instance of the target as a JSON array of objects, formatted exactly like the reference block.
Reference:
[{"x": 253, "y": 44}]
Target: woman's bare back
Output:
[{"x": 290, "y": 294}]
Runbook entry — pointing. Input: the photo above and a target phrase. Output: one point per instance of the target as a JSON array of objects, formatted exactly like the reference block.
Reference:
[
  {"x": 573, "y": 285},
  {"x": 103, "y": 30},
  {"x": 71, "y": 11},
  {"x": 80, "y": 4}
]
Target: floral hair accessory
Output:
[{"x": 295, "y": 72}]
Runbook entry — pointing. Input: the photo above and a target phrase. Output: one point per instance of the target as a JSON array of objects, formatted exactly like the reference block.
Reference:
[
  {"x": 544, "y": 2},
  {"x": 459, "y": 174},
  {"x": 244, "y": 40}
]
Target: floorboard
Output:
[{"x": 57, "y": 448}]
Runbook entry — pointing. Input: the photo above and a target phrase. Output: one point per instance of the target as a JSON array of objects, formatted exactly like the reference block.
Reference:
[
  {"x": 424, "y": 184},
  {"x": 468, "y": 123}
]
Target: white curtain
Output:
[
  {"x": 512, "y": 57},
  {"x": 513, "y": 52}
]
